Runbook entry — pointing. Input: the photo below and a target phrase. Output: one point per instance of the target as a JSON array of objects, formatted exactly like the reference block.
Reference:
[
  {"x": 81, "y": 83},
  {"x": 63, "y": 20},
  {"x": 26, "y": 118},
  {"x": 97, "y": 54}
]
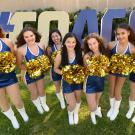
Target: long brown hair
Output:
[
  {"x": 125, "y": 26},
  {"x": 78, "y": 51},
  {"x": 20, "y": 39},
  {"x": 50, "y": 42},
  {"x": 2, "y": 33},
  {"x": 100, "y": 41}
]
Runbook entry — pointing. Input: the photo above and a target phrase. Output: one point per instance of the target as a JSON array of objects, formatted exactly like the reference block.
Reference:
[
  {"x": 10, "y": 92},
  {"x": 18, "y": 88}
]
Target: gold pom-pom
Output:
[
  {"x": 133, "y": 63},
  {"x": 67, "y": 74},
  {"x": 120, "y": 64},
  {"x": 54, "y": 54},
  {"x": 73, "y": 74},
  {"x": 7, "y": 62},
  {"x": 97, "y": 65},
  {"x": 44, "y": 63},
  {"x": 34, "y": 69},
  {"x": 39, "y": 66}
]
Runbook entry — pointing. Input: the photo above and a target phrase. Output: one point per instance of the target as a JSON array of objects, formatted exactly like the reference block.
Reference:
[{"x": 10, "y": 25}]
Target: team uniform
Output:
[
  {"x": 6, "y": 79},
  {"x": 69, "y": 88},
  {"x": 94, "y": 84},
  {"x": 132, "y": 77},
  {"x": 29, "y": 56},
  {"x": 126, "y": 52},
  {"x": 54, "y": 75}
]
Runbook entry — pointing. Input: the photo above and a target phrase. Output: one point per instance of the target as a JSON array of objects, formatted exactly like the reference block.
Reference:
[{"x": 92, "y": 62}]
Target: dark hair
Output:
[
  {"x": 50, "y": 42},
  {"x": 99, "y": 39},
  {"x": 78, "y": 51},
  {"x": 125, "y": 26},
  {"x": 20, "y": 39},
  {"x": 2, "y": 33}
]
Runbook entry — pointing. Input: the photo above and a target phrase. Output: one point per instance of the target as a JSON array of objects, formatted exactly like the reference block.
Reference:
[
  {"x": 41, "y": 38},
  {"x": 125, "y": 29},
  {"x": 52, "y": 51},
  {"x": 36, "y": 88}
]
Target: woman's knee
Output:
[
  {"x": 41, "y": 92},
  {"x": 18, "y": 103},
  {"x": 71, "y": 106},
  {"x": 34, "y": 94},
  {"x": 92, "y": 106}
]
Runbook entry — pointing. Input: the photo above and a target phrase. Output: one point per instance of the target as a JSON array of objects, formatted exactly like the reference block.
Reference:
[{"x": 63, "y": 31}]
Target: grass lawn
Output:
[{"x": 55, "y": 122}]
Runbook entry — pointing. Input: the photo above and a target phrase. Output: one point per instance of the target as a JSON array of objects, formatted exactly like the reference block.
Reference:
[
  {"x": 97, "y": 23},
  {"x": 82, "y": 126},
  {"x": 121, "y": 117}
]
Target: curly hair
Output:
[
  {"x": 99, "y": 39},
  {"x": 20, "y": 38}
]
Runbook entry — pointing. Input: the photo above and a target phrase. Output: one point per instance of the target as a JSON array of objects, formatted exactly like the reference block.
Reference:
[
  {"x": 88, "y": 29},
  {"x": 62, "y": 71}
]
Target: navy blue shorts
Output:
[
  {"x": 7, "y": 79},
  {"x": 94, "y": 84},
  {"x": 69, "y": 88},
  {"x": 132, "y": 77},
  {"x": 29, "y": 80},
  {"x": 55, "y": 76}
]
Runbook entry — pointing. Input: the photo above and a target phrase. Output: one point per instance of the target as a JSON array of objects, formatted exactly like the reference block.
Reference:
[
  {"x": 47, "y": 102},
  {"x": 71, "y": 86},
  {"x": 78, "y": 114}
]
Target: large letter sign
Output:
[
  {"x": 18, "y": 19},
  {"x": 88, "y": 17},
  {"x": 44, "y": 23},
  {"x": 4, "y": 21},
  {"x": 132, "y": 20},
  {"x": 107, "y": 19}
]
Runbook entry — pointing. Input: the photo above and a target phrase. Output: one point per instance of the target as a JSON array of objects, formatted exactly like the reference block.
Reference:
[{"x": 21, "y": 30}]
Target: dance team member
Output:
[
  {"x": 54, "y": 45},
  {"x": 71, "y": 55},
  {"x": 124, "y": 45},
  {"x": 29, "y": 47},
  {"x": 94, "y": 46},
  {"x": 9, "y": 87}
]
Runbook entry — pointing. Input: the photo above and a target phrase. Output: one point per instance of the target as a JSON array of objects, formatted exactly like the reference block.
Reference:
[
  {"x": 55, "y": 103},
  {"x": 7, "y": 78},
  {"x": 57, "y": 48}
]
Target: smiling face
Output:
[
  {"x": 29, "y": 37},
  {"x": 56, "y": 38},
  {"x": 122, "y": 35},
  {"x": 93, "y": 44},
  {"x": 70, "y": 43}
]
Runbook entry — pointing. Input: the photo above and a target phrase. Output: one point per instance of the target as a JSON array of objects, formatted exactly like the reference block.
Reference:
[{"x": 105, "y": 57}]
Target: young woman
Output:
[
  {"x": 9, "y": 86},
  {"x": 29, "y": 47},
  {"x": 71, "y": 54},
  {"x": 94, "y": 46},
  {"x": 124, "y": 45},
  {"x": 55, "y": 44}
]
